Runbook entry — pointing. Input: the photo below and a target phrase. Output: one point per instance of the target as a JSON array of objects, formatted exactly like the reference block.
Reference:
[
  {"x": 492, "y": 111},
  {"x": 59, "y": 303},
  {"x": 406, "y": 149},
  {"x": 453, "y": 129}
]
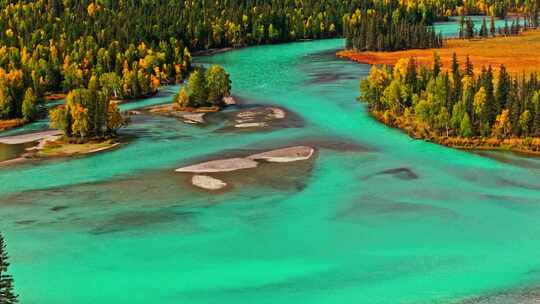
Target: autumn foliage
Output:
[{"x": 455, "y": 106}]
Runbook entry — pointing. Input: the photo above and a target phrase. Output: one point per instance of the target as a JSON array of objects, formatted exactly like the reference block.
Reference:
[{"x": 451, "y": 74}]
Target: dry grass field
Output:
[
  {"x": 518, "y": 53},
  {"x": 10, "y": 123}
]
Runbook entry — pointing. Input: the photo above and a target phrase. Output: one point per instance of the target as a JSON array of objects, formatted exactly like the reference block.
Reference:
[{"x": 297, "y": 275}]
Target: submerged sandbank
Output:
[{"x": 282, "y": 155}]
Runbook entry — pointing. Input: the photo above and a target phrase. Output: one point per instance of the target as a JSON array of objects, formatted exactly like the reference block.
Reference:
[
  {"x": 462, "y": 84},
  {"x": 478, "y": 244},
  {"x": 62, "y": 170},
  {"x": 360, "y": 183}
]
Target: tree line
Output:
[
  {"x": 50, "y": 46},
  {"x": 397, "y": 25},
  {"x": 457, "y": 102},
  {"x": 467, "y": 28},
  {"x": 388, "y": 27},
  {"x": 134, "y": 46}
]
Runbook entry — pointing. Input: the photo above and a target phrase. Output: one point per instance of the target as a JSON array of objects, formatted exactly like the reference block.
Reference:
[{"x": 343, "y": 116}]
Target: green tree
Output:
[
  {"x": 198, "y": 89},
  {"x": 218, "y": 84},
  {"x": 456, "y": 80},
  {"x": 524, "y": 123},
  {"x": 111, "y": 84},
  {"x": 7, "y": 293},
  {"x": 114, "y": 119},
  {"x": 81, "y": 124},
  {"x": 29, "y": 105},
  {"x": 465, "y": 128},
  {"x": 60, "y": 118},
  {"x": 436, "y": 64},
  {"x": 503, "y": 89},
  {"x": 502, "y": 126},
  {"x": 6, "y": 101},
  {"x": 181, "y": 99}
]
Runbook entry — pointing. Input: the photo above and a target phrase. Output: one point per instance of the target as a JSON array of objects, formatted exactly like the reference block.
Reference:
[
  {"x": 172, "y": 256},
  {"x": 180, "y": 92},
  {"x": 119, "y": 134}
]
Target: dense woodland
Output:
[
  {"x": 132, "y": 47},
  {"x": 400, "y": 25},
  {"x": 7, "y": 293},
  {"x": 458, "y": 102},
  {"x": 389, "y": 28}
]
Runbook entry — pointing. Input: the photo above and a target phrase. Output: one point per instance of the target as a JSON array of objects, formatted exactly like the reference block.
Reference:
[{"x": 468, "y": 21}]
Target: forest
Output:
[
  {"x": 49, "y": 46},
  {"x": 59, "y": 46},
  {"x": 432, "y": 102},
  {"x": 388, "y": 28},
  {"x": 401, "y": 25}
]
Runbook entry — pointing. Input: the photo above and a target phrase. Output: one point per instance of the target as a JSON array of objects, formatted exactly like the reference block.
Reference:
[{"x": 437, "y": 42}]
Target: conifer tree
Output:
[
  {"x": 492, "y": 29},
  {"x": 503, "y": 89},
  {"x": 456, "y": 80},
  {"x": 29, "y": 105},
  {"x": 483, "y": 29},
  {"x": 469, "y": 68},
  {"x": 436, "y": 64},
  {"x": 7, "y": 293},
  {"x": 198, "y": 88}
]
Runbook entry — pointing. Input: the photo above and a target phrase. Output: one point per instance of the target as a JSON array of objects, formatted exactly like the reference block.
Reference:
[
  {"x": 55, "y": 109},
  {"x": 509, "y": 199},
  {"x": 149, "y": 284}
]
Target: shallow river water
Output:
[{"x": 375, "y": 217}]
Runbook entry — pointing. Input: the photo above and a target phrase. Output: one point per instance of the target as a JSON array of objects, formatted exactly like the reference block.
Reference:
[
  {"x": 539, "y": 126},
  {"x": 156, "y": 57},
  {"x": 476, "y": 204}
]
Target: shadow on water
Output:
[
  {"x": 399, "y": 173},
  {"x": 318, "y": 68},
  {"x": 370, "y": 208},
  {"x": 511, "y": 158}
]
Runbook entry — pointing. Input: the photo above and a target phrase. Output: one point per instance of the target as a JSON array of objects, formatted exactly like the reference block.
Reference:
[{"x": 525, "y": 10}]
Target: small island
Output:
[
  {"x": 88, "y": 123},
  {"x": 206, "y": 91}
]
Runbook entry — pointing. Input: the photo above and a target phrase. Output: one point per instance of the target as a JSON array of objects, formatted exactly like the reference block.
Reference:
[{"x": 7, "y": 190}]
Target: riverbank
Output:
[
  {"x": 52, "y": 145},
  {"x": 515, "y": 52},
  {"x": 189, "y": 114},
  {"x": 7, "y": 124},
  {"x": 62, "y": 148},
  {"x": 416, "y": 130}
]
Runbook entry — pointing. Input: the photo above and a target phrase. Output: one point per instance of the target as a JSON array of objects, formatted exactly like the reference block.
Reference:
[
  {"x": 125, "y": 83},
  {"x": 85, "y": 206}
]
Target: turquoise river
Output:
[{"x": 374, "y": 217}]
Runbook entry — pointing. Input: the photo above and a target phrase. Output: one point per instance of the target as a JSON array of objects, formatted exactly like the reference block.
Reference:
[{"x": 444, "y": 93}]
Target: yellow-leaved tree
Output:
[{"x": 502, "y": 126}]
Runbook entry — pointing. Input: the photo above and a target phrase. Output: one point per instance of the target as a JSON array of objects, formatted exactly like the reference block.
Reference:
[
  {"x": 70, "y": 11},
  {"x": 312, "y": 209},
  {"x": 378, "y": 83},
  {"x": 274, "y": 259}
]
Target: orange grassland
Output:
[{"x": 518, "y": 53}]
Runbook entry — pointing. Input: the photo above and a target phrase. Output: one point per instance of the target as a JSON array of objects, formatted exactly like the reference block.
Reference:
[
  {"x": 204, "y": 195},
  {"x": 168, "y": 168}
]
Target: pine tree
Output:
[
  {"x": 503, "y": 88},
  {"x": 465, "y": 127},
  {"x": 492, "y": 26},
  {"x": 218, "y": 83},
  {"x": 469, "y": 30},
  {"x": 483, "y": 29},
  {"x": 7, "y": 293},
  {"x": 536, "y": 118},
  {"x": 456, "y": 80},
  {"x": 462, "y": 27},
  {"x": 198, "y": 89},
  {"x": 487, "y": 83},
  {"x": 29, "y": 105},
  {"x": 411, "y": 78},
  {"x": 469, "y": 68},
  {"x": 436, "y": 64}
]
